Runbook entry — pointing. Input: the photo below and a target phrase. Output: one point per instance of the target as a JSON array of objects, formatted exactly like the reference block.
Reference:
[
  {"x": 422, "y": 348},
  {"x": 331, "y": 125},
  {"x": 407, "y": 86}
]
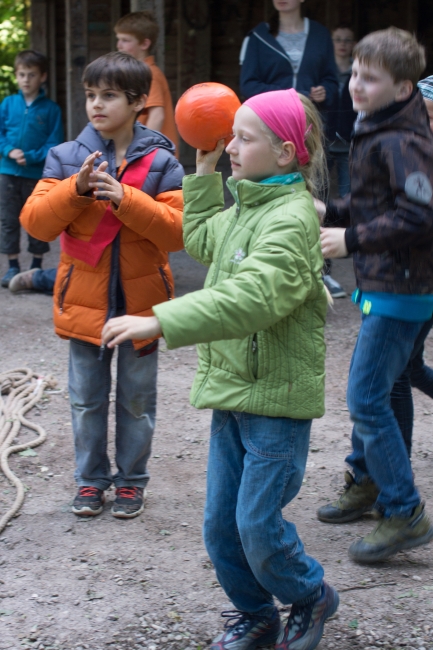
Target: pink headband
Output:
[{"x": 282, "y": 111}]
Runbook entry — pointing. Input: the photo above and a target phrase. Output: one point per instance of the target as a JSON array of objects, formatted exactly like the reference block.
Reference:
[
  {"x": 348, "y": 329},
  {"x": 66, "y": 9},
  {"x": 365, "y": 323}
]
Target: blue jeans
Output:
[
  {"x": 255, "y": 468},
  {"x": 381, "y": 353},
  {"x": 417, "y": 375},
  {"x": 89, "y": 389},
  {"x": 44, "y": 279}
]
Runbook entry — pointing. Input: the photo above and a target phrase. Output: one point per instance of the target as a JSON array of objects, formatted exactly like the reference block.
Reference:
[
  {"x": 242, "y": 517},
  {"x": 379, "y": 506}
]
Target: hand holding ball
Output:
[{"x": 205, "y": 114}]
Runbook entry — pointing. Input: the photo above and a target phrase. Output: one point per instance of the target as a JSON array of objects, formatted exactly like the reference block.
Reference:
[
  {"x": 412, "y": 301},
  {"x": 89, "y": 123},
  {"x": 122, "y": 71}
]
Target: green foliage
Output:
[{"x": 14, "y": 36}]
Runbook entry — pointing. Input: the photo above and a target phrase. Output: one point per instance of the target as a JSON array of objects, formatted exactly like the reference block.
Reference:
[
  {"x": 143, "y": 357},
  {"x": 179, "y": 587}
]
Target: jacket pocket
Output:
[
  {"x": 64, "y": 287},
  {"x": 254, "y": 358},
  {"x": 166, "y": 283}
]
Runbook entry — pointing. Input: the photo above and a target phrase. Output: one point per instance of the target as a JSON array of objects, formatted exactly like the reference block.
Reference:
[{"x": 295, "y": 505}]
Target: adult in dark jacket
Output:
[
  {"x": 341, "y": 116},
  {"x": 290, "y": 52}
]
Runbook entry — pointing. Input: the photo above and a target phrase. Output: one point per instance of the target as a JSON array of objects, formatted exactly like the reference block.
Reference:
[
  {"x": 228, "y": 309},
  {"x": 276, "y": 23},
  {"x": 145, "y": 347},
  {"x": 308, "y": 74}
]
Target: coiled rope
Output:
[{"x": 24, "y": 389}]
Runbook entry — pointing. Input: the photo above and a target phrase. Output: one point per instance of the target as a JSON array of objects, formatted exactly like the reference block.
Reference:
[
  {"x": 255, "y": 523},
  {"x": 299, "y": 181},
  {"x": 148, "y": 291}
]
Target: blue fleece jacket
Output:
[
  {"x": 266, "y": 66},
  {"x": 34, "y": 129}
]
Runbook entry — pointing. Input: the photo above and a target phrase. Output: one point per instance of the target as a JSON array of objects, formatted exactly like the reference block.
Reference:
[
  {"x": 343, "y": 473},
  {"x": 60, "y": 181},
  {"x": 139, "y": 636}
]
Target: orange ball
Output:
[{"x": 205, "y": 113}]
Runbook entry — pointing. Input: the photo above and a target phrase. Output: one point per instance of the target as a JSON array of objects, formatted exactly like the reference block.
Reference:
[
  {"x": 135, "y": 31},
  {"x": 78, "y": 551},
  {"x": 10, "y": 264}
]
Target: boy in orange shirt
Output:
[{"x": 137, "y": 34}]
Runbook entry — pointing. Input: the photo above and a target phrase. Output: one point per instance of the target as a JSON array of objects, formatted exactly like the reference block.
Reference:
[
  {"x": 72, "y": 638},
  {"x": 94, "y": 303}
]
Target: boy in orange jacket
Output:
[
  {"x": 114, "y": 196},
  {"x": 137, "y": 34}
]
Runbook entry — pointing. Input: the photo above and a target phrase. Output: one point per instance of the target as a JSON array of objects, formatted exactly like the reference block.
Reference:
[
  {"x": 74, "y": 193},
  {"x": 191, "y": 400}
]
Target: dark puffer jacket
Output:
[{"x": 389, "y": 212}]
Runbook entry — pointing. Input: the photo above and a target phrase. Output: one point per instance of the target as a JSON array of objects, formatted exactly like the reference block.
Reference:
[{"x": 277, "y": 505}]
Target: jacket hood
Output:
[
  {"x": 144, "y": 141},
  {"x": 405, "y": 119},
  {"x": 262, "y": 32}
]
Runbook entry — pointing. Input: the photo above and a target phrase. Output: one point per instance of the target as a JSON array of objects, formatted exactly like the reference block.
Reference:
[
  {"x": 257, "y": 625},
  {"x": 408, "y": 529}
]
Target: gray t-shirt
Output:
[{"x": 294, "y": 46}]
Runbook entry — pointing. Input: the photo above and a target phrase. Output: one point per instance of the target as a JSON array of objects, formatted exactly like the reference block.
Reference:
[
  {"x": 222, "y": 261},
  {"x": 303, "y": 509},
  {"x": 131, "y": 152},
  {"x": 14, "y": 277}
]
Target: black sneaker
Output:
[
  {"x": 304, "y": 627},
  {"x": 88, "y": 502},
  {"x": 247, "y": 631},
  {"x": 129, "y": 502},
  {"x": 334, "y": 288}
]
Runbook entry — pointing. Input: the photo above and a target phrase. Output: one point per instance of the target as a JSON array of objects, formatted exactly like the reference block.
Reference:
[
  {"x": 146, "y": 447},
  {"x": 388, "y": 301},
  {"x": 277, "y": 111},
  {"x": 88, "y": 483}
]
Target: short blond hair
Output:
[
  {"x": 140, "y": 24},
  {"x": 395, "y": 50}
]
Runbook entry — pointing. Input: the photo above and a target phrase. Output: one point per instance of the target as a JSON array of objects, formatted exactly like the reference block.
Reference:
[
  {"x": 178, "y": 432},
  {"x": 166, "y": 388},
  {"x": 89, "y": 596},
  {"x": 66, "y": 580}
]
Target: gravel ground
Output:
[{"x": 70, "y": 583}]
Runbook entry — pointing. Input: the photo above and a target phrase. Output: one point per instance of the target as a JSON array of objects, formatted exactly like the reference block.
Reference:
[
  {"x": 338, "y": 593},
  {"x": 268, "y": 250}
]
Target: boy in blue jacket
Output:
[{"x": 30, "y": 124}]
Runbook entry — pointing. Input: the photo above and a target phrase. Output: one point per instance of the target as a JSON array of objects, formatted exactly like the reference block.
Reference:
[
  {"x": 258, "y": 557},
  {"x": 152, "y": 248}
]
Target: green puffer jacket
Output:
[{"x": 260, "y": 318}]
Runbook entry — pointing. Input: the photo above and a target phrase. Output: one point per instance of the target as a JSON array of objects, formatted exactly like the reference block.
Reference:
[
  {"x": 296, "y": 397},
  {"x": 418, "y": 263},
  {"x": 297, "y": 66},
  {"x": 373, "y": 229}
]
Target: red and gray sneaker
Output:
[
  {"x": 304, "y": 627},
  {"x": 247, "y": 631},
  {"x": 129, "y": 502},
  {"x": 88, "y": 502}
]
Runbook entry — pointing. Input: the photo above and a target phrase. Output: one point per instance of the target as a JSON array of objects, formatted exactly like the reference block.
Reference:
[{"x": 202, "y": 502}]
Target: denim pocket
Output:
[
  {"x": 271, "y": 437},
  {"x": 219, "y": 420}
]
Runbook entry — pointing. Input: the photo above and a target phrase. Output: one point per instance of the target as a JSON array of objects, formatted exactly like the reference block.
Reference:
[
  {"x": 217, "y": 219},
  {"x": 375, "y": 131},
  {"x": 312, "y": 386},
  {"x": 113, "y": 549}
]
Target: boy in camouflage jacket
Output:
[{"x": 387, "y": 223}]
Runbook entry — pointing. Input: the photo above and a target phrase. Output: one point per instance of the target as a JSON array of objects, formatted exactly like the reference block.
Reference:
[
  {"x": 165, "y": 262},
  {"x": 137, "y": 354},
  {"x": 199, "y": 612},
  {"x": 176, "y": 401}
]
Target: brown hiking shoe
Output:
[
  {"x": 392, "y": 535},
  {"x": 355, "y": 501}
]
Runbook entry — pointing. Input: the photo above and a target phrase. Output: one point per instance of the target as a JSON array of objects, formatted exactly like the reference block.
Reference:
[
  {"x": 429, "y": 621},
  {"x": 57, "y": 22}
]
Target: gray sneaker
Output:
[
  {"x": 355, "y": 501},
  {"x": 22, "y": 281}
]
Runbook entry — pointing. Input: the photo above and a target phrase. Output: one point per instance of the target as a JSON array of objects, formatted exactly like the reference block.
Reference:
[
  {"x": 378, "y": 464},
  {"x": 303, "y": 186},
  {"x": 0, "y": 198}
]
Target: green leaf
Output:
[
  {"x": 164, "y": 532},
  {"x": 27, "y": 452},
  {"x": 5, "y": 612},
  {"x": 354, "y": 624}
]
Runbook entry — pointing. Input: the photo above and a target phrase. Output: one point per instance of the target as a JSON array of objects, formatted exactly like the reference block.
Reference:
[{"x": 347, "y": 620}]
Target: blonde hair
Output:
[{"x": 315, "y": 172}]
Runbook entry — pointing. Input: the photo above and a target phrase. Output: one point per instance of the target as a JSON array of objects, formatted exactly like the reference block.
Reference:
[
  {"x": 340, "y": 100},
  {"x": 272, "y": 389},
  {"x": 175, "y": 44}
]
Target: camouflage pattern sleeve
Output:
[{"x": 407, "y": 220}]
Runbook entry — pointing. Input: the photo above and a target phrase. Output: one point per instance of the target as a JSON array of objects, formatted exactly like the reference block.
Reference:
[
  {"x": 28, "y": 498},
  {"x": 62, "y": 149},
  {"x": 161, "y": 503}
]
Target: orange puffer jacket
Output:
[{"x": 133, "y": 273}]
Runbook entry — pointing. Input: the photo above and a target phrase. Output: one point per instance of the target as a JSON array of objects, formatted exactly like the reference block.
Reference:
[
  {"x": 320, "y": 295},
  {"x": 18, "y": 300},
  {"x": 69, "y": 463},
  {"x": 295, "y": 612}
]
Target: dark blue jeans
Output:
[
  {"x": 14, "y": 192},
  {"x": 89, "y": 390},
  {"x": 417, "y": 375},
  {"x": 381, "y": 354},
  {"x": 255, "y": 468},
  {"x": 44, "y": 279}
]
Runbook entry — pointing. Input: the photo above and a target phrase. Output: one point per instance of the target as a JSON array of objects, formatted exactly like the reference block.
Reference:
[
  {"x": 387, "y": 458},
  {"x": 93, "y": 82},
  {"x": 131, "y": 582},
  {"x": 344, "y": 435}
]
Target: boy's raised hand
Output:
[
  {"x": 333, "y": 242},
  {"x": 106, "y": 186},
  {"x": 207, "y": 160},
  {"x": 120, "y": 329},
  {"x": 87, "y": 169}
]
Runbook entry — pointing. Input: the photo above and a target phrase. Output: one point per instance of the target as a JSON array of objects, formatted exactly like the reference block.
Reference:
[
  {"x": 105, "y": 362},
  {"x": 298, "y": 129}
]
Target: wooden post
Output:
[
  {"x": 157, "y": 8},
  {"x": 76, "y": 60},
  {"x": 115, "y": 15},
  {"x": 39, "y": 30}
]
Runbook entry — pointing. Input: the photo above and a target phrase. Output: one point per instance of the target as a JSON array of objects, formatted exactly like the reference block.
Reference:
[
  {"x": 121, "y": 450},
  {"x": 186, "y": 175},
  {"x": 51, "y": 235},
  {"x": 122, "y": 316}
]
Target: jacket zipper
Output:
[
  {"x": 64, "y": 288},
  {"x": 255, "y": 353},
  {"x": 166, "y": 282}
]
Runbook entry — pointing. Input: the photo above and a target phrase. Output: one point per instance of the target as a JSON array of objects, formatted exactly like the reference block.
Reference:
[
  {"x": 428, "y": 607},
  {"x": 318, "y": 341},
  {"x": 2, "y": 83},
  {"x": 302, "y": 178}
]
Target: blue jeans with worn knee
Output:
[
  {"x": 89, "y": 391},
  {"x": 381, "y": 354},
  {"x": 255, "y": 468}
]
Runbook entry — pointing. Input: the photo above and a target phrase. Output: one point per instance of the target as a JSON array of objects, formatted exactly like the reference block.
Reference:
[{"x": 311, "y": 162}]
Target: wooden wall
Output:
[{"x": 202, "y": 38}]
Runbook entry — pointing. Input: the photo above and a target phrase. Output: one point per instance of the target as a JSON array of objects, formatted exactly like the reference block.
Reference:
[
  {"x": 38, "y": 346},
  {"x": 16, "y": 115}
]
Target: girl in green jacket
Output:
[{"x": 259, "y": 321}]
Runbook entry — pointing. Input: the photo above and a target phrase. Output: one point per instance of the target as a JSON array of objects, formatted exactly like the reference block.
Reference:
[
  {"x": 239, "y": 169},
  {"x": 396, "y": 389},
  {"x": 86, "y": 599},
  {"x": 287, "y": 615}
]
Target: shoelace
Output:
[
  {"x": 88, "y": 491},
  {"x": 127, "y": 492},
  {"x": 300, "y": 617},
  {"x": 240, "y": 620}
]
